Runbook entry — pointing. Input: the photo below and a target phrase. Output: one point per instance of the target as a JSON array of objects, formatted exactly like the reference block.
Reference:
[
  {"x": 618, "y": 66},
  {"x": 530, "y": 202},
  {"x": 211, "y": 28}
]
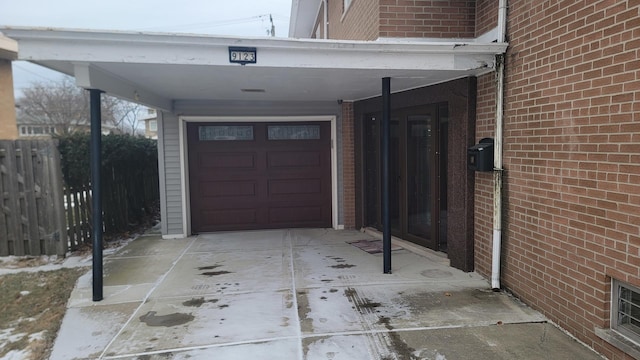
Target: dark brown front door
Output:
[{"x": 259, "y": 175}]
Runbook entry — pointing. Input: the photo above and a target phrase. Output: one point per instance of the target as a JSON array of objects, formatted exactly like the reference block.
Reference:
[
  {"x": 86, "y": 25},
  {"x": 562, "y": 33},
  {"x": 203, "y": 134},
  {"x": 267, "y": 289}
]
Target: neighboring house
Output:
[
  {"x": 150, "y": 124},
  {"x": 289, "y": 137},
  {"x": 32, "y": 127},
  {"x": 8, "y": 52}
]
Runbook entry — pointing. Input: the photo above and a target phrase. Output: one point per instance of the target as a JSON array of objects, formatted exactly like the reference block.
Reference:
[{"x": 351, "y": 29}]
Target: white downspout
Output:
[
  {"x": 326, "y": 19},
  {"x": 497, "y": 159}
]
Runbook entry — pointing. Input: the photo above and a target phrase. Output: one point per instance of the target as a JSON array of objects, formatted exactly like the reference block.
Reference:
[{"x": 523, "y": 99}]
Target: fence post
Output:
[{"x": 60, "y": 241}]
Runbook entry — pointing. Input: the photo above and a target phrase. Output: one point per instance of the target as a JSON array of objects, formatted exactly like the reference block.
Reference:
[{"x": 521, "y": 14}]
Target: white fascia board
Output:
[
  {"x": 123, "y": 47},
  {"x": 90, "y": 77}
]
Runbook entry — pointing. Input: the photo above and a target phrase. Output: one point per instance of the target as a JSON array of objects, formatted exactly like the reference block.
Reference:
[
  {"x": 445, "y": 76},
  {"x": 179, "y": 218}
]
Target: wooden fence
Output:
[
  {"x": 42, "y": 214},
  {"x": 32, "y": 220}
]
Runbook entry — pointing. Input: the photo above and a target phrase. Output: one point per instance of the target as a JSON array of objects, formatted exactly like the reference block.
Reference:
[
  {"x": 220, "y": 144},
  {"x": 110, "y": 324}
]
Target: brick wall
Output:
[
  {"x": 348, "y": 165},
  {"x": 483, "y": 192},
  {"x": 370, "y": 19},
  {"x": 8, "y": 126},
  {"x": 358, "y": 22},
  {"x": 486, "y": 16},
  {"x": 572, "y": 160},
  {"x": 427, "y": 18}
]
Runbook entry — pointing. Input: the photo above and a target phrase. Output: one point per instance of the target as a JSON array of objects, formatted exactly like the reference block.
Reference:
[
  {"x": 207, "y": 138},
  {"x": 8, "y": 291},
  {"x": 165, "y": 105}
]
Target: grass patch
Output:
[{"x": 32, "y": 305}]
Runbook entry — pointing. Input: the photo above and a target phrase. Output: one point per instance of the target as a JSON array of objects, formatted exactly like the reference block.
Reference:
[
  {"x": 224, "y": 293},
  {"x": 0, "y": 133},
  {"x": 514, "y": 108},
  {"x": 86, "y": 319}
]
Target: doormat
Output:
[{"x": 372, "y": 246}]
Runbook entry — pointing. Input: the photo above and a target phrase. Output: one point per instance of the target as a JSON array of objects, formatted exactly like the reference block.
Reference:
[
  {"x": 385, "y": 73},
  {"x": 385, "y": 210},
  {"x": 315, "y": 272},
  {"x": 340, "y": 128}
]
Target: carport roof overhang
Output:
[{"x": 160, "y": 70}]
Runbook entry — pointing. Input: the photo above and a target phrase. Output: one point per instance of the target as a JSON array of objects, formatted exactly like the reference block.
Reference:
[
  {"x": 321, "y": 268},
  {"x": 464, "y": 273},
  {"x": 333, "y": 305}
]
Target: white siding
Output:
[{"x": 169, "y": 143}]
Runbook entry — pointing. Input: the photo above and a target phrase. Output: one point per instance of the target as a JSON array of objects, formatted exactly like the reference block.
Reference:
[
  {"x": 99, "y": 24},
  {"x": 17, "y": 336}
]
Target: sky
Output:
[{"x": 217, "y": 17}]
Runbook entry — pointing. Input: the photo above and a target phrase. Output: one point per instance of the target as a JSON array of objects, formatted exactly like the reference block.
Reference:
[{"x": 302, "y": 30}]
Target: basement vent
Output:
[{"x": 626, "y": 310}]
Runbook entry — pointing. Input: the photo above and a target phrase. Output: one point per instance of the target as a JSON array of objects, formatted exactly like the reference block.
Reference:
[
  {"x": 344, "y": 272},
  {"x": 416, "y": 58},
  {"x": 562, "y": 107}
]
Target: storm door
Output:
[{"x": 415, "y": 187}]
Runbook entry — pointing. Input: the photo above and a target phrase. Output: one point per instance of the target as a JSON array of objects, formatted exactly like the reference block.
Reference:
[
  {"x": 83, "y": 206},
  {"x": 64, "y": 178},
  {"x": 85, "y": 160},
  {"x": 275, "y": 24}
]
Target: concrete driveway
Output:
[{"x": 296, "y": 294}]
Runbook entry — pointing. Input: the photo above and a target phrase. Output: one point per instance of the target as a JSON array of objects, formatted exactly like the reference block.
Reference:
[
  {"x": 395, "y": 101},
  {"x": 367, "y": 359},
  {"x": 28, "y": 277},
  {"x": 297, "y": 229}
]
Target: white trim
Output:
[
  {"x": 184, "y": 176},
  {"x": 174, "y": 236},
  {"x": 334, "y": 175}
]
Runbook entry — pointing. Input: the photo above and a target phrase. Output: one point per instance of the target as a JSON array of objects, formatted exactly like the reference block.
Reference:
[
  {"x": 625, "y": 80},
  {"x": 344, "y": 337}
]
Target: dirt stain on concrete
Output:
[
  {"x": 215, "y": 273},
  {"x": 400, "y": 348},
  {"x": 194, "y": 302},
  {"x": 175, "y": 319},
  {"x": 306, "y": 323},
  {"x": 210, "y": 267},
  {"x": 343, "y": 266},
  {"x": 363, "y": 305}
]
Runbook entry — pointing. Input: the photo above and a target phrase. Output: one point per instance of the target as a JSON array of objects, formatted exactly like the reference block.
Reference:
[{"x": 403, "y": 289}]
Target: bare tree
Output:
[
  {"x": 65, "y": 106},
  {"x": 125, "y": 115},
  {"x": 59, "y": 104}
]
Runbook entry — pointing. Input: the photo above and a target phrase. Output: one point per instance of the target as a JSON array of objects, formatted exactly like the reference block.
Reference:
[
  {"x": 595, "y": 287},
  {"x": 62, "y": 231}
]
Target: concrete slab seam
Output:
[
  {"x": 304, "y": 336},
  {"x": 153, "y": 288},
  {"x": 295, "y": 295}
]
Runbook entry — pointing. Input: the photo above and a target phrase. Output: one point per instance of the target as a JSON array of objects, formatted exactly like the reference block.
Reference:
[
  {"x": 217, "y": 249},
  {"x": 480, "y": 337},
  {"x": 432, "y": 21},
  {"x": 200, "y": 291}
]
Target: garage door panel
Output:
[
  {"x": 293, "y": 159},
  {"x": 289, "y": 214},
  {"x": 216, "y": 189},
  {"x": 294, "y": 186},
  {"x": 219, "y": 161},
  {"x": 229, "y": 217}
]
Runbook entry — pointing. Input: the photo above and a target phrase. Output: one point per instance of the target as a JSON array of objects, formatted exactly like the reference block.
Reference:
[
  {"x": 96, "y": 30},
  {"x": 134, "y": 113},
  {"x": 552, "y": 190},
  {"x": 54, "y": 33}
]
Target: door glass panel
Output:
[
  {"x": 223, "y": 132},
  {"x": 293, "y": 132},
  {"x": 419, "y": 166}
]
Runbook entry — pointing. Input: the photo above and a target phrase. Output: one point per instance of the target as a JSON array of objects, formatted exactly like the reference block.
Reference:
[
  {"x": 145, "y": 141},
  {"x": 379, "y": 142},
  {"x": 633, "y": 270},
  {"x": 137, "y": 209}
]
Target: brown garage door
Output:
[{"x": 259, "y": 175}]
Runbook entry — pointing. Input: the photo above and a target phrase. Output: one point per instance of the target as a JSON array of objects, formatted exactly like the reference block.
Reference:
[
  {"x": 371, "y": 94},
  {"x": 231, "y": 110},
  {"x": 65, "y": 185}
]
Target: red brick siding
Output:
[
  {"x": 427, "y": 18},
  {"x": 348, "y": 165},
  {"x": 359, "y": 22},
  {"x": 486, "y": 16},
  {"x": 483, "y": 192},
  {"x": 572, "y": 159}
]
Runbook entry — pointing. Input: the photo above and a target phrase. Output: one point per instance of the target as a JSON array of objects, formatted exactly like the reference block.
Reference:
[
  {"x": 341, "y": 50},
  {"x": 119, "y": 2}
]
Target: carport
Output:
[{"x": 221, "y": 85}]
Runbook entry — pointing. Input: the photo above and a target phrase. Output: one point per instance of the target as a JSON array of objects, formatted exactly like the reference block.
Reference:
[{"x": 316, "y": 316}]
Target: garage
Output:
[{"x": 259, "y": 175}]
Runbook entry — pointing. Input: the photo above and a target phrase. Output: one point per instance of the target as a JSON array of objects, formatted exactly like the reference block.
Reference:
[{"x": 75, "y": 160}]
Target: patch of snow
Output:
[
  {"x": 37, "y": 336},
  {"x": 16, "y": 355},
  {"x": 24, "y": 293}
]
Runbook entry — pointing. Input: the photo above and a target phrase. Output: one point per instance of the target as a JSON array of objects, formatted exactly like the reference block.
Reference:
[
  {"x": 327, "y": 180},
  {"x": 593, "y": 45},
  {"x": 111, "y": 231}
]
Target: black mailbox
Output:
[{"x": 480, "y": 157}]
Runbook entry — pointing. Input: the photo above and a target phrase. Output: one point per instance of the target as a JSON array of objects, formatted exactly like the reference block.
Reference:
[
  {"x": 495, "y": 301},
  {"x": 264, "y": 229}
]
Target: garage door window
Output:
[
  {"x": 223, "y": 132},
  {"x": 294, "y": 132}
]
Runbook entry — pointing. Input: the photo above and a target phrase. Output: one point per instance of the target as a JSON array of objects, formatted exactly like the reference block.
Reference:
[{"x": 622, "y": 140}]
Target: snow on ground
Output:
[{"x": 17, "y": 264}]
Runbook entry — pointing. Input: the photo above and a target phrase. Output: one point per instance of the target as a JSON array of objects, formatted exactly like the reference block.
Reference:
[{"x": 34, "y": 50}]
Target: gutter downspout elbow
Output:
[{"x": 497, "y": 160}]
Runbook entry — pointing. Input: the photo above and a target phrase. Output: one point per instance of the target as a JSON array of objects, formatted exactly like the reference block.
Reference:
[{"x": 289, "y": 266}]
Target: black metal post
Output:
[
  {"x": 386, "y": 135},
  {"x": 96, "y": 192}
]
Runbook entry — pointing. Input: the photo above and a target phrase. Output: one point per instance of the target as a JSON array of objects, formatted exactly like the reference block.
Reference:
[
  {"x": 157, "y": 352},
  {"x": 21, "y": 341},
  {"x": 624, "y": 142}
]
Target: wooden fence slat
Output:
[
  {"x": 30, "y": 197},
  {"x": 71, "y": 232},
  {"x": 15, "y": 239},
  {"x": 59, "y": 241},
  {"x": 4, "y": 199}
]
